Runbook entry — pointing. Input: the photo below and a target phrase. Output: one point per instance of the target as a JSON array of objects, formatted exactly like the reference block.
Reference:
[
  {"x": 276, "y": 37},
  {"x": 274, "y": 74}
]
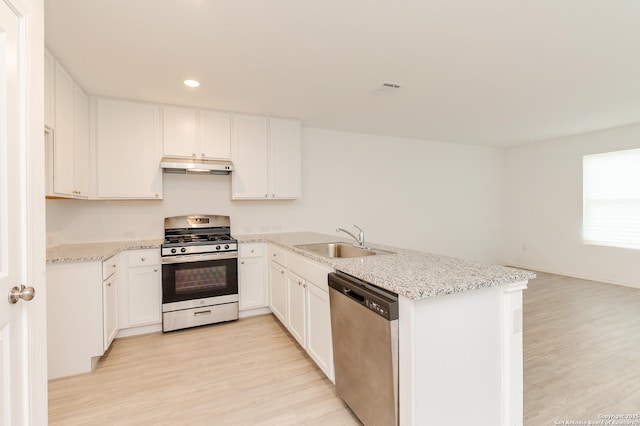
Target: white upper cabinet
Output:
[
  {"x": 250, "y": 157},
  {"x": 215, "y": 134},
  {"x": 70, "y": 137},
  {"x": 81, "y": 139},
  {"x": 196, "y": 133},
  {"x": 49, "y": 90},
  {"x": 128, "y": 146},
  {"x": 266, "y": 158},
  {"x": 179, "y": 131},
  {"x": 285, "y": 164},
  {"x": 63, "y": 152}
]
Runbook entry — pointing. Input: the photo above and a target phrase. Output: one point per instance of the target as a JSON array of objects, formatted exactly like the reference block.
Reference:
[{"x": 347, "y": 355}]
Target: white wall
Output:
[
  {"x": 543, "y": 229},
  {"x": 436, "y": 197}
]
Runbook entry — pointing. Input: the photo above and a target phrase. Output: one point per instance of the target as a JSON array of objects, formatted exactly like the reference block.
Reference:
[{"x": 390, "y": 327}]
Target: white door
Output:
[{"x": 21, "y": 383}]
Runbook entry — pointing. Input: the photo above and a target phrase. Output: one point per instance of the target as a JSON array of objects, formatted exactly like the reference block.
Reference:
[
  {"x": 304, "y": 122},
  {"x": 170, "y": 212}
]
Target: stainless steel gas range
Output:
[{"x": 199, "y": 272}]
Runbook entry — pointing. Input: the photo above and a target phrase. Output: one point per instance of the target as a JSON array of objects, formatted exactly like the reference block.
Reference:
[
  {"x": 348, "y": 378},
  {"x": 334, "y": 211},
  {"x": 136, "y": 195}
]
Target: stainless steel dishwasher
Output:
[{"x": 364, "y": 328}]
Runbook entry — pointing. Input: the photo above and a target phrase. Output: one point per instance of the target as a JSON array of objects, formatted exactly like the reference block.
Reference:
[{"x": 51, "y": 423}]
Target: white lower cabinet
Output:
[
  {"x": 109, "y": 301},
  {"x": 319, "y": 345},
  {"x": 144, "y": 288},
  {"x": 300, "y": 300},
  {"x": 297, "y": 307},
  {"x": 74, "y": 317},
  {"x": 140, "y": 294},
  {"x": 91, "y": 303},
  {"x": 278, "y": 291},
  {"x": 253, "y": 286},
  {"x": 82, "y": 314}
]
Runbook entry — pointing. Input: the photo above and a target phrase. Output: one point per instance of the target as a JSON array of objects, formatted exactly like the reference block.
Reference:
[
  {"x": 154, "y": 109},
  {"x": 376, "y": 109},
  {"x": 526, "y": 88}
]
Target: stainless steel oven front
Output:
[{"x": 199, "y": 289}]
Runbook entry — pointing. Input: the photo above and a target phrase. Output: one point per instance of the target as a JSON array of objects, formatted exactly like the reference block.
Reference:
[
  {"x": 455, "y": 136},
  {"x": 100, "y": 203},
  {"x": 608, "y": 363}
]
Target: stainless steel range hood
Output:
[{"x": 187, "y": 165}]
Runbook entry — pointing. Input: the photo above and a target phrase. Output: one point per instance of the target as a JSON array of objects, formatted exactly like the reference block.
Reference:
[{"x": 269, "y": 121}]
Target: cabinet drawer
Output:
[
  {"x": 251, "y": 250},
  {"x": 312, "y": 272},
  {"x": 144, "y": 257},
  {"x": 278, "y": 254},
  {"x": 109, "y": 267}
]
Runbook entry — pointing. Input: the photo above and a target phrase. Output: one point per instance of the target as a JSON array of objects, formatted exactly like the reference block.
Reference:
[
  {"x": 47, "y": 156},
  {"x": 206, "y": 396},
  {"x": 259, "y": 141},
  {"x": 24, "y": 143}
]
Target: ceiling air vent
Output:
[{"x": 385, "y": 89}]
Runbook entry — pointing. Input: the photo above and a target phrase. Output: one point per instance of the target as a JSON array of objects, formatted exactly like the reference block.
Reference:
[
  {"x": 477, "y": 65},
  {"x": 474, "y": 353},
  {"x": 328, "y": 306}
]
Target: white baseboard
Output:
[
  {"x": 254, "y": 312},
  {"x": 577, "y": 275},
  {"x": 135, "y": 331}
]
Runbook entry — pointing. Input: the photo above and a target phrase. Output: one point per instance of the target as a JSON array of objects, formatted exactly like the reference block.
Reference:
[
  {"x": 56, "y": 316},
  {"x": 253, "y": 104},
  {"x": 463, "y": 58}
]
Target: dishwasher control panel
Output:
[{"x": 376, "y": 307}]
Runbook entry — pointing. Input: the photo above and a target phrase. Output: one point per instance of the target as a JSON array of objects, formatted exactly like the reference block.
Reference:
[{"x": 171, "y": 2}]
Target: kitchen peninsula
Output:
[
  {"x": 460, "y": 325},
  {"x": 460, "y": 330}
]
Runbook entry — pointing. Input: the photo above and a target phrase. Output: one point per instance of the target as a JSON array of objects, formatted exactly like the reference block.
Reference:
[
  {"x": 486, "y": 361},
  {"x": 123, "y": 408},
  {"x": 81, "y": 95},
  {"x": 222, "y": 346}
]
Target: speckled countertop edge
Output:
[
  {"x": 413, "y": 274},
  {"x": 95, "y": 252}
]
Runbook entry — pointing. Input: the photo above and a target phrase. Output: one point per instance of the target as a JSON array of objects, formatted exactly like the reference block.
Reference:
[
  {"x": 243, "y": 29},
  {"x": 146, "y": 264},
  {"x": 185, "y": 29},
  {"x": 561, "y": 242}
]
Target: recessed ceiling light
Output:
[{"x": 192, "y": 83}]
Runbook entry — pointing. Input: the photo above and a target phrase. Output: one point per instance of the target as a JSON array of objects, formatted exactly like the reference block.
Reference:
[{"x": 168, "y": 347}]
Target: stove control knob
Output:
[
  {"x": 226, "y": 246},
  {"x": 182, "y": 250},
  {"x": 173, "y": 250},
  {"x": 217, "y": 247}
]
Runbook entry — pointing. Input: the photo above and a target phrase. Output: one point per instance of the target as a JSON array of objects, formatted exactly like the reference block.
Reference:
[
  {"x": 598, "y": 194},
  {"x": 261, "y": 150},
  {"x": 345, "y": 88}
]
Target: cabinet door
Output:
[
  {"x": 129, "y": 143},
  {"x": 81, "y": 142},
  {"x": 297, "y": 309},
  {"x": 180, "y": 132},
  {"x": 285, "y": 164},
  {"x": 49, "y": 90},
  {"x": 252, "y": 283},
  {"x": 250, "y": 156},
  {"x": 215, "y": 135},
  {"x": 64, "y": 150},
  {"x": 145, "y": 295},
  {"x": 109, "y": 310},
  {"x": 319, "y": 346},
  {"x": 278, "y": 292}
]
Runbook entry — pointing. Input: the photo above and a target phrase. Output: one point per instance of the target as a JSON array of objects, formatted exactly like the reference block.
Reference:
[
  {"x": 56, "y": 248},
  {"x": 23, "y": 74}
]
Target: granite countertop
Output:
[
  {"x": 413, "y": 274},
  {"x": 95, "y": 252}
]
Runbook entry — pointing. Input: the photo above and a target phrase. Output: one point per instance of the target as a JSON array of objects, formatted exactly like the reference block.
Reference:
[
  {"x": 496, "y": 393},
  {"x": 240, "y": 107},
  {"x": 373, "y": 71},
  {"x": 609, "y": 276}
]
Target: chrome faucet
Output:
[{"x": 359, "y": 239}]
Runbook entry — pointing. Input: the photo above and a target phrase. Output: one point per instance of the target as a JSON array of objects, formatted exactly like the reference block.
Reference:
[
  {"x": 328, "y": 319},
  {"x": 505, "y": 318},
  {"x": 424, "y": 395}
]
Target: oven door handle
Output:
[{"x": 199, "y": 257}]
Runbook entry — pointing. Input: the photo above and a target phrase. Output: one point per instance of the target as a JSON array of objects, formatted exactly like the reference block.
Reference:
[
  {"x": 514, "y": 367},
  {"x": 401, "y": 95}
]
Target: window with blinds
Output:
[{"x": 611, "y": 199}]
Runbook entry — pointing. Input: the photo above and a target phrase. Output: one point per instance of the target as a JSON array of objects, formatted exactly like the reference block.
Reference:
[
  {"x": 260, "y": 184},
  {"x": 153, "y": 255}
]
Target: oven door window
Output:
[{"x": 193, "y": 280}]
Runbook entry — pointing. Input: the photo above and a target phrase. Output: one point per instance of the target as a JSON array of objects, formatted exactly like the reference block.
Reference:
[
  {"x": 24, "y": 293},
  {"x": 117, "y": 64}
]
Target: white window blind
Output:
[{"x": 611, "y": 209}]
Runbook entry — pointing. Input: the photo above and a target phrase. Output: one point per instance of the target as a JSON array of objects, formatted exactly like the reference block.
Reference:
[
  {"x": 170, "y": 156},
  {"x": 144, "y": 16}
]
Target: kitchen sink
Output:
[{"x": 340, "y": 250}]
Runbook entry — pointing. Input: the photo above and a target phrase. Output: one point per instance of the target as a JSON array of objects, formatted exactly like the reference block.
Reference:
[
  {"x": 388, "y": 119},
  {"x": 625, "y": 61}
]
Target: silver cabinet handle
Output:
[
  {"x": 282, "y": 272},
  {"x": 113, "y": 266},
  {"x": 155, "y": 269},
  {"x": 142, "y": 259},
  {"x": 22, "y": 292},
  {"x": 242, "y": 263},
  {"x": 251, "y": 251},
  {"x": 108, "y": 284}
]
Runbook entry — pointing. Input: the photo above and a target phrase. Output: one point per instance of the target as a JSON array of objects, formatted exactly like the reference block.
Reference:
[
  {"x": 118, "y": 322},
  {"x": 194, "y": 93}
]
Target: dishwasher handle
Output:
[{"x": 352, "y": 294}]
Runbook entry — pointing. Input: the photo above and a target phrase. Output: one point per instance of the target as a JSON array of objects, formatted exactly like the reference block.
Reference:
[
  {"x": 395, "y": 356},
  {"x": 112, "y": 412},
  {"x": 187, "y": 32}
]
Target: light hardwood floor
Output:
[
  {"x": 581, "y": 360},
  {"x": 248, "y": 372},
  {"x": 581, "y": 350}
]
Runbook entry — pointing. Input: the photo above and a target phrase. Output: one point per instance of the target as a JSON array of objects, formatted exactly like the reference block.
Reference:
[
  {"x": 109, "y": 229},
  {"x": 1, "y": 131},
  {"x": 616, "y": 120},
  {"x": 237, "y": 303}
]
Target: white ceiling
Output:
[{"x": 491, "y": 72}]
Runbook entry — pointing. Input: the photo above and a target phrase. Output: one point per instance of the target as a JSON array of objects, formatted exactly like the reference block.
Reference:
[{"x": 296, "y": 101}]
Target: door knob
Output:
[{"x": 22, "y": 292}]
